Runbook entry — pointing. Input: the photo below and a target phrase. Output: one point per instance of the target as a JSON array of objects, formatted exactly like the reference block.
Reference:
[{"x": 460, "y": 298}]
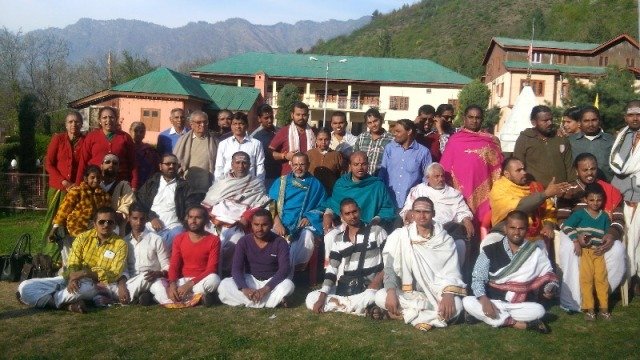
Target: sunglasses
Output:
[
  {"x": 110, "y": 162},
  {"x": 108, "y": 222}
]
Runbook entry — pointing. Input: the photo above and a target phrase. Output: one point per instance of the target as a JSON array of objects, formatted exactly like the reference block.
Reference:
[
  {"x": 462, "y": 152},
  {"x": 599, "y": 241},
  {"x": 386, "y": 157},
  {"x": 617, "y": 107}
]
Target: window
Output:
[
  {"x": 537, "y": 58},
  {"x": 536, "y": 85},
  {"x": 399, "y": 102},
  {"x": 562, "y": 59},
  {"x": 603, "y": 61},
  {"x": 151, "y": 119}
]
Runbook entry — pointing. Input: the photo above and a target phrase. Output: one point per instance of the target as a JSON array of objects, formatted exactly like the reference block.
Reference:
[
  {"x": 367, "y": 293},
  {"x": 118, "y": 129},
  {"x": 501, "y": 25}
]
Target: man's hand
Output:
[
  {"x": 554, "y": 189},
  {"x": 468, "y": 226},
  {"x": 548, "y": 231},
  {"x": 304, "y": 222},
  {"x": 577, "y": 248},
  {"x": 327, "y": 222},
  {"x": 248, "y": 292},
  {"x": 375, "y": 221},
  {"x": 288, "y": 156},
  {"x": 185, "y": 289},
  {"x": 447, "y": 306},
  {"x": 261, "y": 293},
  {"x": 392, "y": 304},
  {"x": 157, "y": 224},
  {"x": 489, "y": 309},
  {"x": 73, "y": 286},
  {"x": 278, "y": 228},
  {"x": 172, "y": 292},
  {"x": 67, "y": 184},
  {"x": 607, "y": 244},
  {"x": 318, "y": 307},
  {"x": 123, "y": 293},
  {"x": 153, "y": 275}
]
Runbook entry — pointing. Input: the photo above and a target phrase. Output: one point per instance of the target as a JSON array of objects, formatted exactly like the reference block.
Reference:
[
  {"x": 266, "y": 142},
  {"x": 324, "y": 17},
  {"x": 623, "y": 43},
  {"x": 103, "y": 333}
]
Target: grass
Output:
[{"x": 133, "y": 332}]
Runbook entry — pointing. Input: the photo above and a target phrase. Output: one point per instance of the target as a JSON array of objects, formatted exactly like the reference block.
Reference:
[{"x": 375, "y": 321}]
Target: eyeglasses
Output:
[
  {"x": 110, "y": 162},
  {"x": 108, "y": 222},
  {"x": 179, "y": 117},
  {"x": 198, "y": 123}
]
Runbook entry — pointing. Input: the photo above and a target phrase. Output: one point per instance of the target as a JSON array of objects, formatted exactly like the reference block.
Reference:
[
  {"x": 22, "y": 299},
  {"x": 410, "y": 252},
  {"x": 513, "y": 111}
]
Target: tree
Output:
[
  {"x": 385, "y": 43},
  {"x": 130, "y": 67},
  {"x": 288, "y": 95},
  {"x": 474, "y": 93},
  {"x": 27, "y": 117},
  {"x": 614, "y": 90}
]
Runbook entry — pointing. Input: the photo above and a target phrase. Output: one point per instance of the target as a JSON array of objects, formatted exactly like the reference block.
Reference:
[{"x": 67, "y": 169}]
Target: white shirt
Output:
[
  {"x": 345, "y": 146},
  {"x": 164, "y": 204},
  {"x": 230, "y": 146},
  {"x": 148, "y": 253}
]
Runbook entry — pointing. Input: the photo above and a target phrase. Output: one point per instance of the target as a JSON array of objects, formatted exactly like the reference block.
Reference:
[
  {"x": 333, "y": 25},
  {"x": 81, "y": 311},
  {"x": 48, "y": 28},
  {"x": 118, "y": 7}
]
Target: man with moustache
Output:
[
  {"x": 120, "y": 191},
  {"x": 168, "y": 139},
  {"x": 544, "y": 154},
  {"x": 265, "y": 133},
  {"x": 293, "y": 138},
  {"x": 593, "y": 140},
  {"x": 341, "y": 139}
]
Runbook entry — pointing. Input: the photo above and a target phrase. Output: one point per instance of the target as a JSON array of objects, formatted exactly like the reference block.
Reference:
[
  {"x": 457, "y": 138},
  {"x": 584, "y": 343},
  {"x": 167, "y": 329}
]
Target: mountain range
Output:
[{"x": 195, "y": 41}]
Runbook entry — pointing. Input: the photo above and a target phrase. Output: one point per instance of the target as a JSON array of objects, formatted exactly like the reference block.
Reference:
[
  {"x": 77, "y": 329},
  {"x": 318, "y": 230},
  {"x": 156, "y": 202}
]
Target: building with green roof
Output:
[
  {"x": 546, "y": 65},
  {"x": 398, "y": 87},
  {"x": 151, "y": 97}
]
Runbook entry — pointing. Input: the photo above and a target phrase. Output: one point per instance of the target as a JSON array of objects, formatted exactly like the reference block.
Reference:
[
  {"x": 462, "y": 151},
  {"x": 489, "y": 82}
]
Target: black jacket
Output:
[{"x": 184, "y": 197}]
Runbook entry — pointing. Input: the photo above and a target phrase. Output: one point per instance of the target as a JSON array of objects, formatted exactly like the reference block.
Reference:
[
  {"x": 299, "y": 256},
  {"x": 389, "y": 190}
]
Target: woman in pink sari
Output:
[{"x": 472, "y": 161}]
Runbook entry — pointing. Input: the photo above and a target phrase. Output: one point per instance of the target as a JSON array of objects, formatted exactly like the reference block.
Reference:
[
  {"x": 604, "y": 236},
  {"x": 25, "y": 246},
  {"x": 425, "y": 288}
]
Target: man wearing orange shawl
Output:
[{"x": 472, "y": 161}]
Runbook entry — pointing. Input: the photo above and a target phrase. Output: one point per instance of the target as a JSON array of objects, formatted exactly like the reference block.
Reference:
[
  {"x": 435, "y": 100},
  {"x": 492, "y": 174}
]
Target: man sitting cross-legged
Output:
[
  {"x": 194, "y": 262},
  {"x": 354, "y": 273},
  {"x": 147, "y": 261},
  {"x": 260, "y": 268},
  {"x": 507, "y": 274},
  {"x": 94, "y": 268},
  {"x": 422, "y": 280}
]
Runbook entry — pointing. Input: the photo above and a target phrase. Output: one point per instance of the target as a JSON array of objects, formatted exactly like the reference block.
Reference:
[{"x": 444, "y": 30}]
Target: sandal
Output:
[
  {"x": 423, "y": 327},
  {"x": 77, "y": 307},
  {"x": 539, "y": 326},
  {"x": 605, "y": 315},
  {"x": 376, "y": 313},
  {"x": 590, "y": 316}
]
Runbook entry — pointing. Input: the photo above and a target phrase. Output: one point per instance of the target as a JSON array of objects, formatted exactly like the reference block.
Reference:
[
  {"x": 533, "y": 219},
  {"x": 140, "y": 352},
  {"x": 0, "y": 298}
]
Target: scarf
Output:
[{"x": 294, "y": 139}]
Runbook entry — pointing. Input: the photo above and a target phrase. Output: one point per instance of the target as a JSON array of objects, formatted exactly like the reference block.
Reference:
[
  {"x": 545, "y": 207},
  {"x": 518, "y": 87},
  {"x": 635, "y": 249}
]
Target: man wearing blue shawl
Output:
[{"x": 297, "y": 196}]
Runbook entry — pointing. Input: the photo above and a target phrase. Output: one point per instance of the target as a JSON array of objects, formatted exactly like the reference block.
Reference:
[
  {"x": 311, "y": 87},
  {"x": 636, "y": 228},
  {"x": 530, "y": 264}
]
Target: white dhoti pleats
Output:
[
  {"x": 229, "y": 293},
  {"x": 524, "y": 311},
  {"x": 355, "y": 304},
  {"x": 416, "y": 308}
]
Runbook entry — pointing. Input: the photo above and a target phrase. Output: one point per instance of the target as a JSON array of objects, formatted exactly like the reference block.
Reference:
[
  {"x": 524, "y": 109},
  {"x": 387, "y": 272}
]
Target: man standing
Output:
[
  {"x": 625, "y": 163},
  {"x": 425, "y": 134},
  {"x": 147, "y": 261},
  {"x": 95, "y": 266},
  {"x": 224, "y": 124},
  {"x": 194, "y": 262},
  {"x": 265, "y": 133},
  {"x": 505, "y": 278},
  {"x": 196, "y": 151},
  {"x": 544, "y": 154},
  {"x": 472, "y": 161},
  {"x": 443, "y": 124},
  {"x": 422, "y": 280},
  {"x": 424, "y": 120},
  {"x": 260, "y": 268},
  {"x": 293, "y": 138},
  {"x": 168, "y": 139},
  {"x": 450, "y": 209},
  {"x": 593, "y": 140},
  {"x": 372, "y": 142},
  {"x": 297, "y": 196},
  {"x": 120, "y": 191},
  {"x": 341, "y": 140},
  {"x": 355, "y": 256},
  {"x": 165, "y": 198},
  {"x": 404, "y": 161},
  {"x": 570, "y": 122},
  {"x": 375, "y": 204},
  {"x": 239, "y": 141}
]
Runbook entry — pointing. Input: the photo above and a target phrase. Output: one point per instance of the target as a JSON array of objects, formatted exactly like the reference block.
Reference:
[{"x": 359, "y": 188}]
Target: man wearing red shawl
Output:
[{"x": 472, "y": 161}]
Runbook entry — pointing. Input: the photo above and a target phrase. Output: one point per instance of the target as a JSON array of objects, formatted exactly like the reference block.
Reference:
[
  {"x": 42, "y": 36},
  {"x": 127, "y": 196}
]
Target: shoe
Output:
[
  {"x": 538, "y": 326},
  {"x": 590, "y": 316},
  {"x": 145, "y": 298},
  {"x": 605, "y": 315},
  {"x": 209, "y": 299}
]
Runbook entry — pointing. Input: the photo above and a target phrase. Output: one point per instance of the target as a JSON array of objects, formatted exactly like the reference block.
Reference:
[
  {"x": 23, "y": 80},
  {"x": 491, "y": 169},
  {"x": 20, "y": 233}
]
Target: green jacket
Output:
[{"x": 545, "y": 158}]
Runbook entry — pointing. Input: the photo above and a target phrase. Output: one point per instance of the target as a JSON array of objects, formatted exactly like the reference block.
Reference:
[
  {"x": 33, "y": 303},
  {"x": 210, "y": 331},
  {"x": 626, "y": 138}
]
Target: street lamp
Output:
[{"x": 326, "y": 87}]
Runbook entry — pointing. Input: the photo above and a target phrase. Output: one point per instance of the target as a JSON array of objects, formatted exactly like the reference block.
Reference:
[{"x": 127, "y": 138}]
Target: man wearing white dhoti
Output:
[
  {"x": 451, "y": 211},
  {"x": 354, "y": 272},
  {"x": 625, "y": 163},
  {"x": 507, "y": 278},
  {"x": 422, "y": 280}
]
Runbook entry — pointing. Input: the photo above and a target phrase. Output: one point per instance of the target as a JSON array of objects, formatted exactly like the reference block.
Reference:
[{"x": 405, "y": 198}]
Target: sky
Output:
[{"x": 27, "y": 15}]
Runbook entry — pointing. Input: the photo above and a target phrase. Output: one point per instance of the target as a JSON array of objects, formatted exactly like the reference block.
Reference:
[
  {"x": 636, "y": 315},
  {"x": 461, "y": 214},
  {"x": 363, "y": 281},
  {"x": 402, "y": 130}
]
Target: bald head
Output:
[{"x": 358, "y": 165}]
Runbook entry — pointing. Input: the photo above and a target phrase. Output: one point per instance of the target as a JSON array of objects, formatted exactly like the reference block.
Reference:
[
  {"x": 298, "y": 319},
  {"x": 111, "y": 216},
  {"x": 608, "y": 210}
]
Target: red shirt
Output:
[
  {"x": 96, "y": 145},
  {"x": 194, "y": 260},
  {"x": 280, "y": 143},
  {"x": 61, "y": 161},
  {"x": 432, "y": 142}
]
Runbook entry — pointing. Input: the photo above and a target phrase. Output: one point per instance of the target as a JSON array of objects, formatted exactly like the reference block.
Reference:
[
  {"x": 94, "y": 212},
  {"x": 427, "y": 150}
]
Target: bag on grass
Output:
[{"x": 13, "y": 263}]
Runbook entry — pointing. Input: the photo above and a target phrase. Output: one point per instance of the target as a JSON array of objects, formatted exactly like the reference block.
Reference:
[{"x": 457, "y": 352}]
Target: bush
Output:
[
  {"x": 42, "y": 142},
  {"x": 8, "y": 152}
]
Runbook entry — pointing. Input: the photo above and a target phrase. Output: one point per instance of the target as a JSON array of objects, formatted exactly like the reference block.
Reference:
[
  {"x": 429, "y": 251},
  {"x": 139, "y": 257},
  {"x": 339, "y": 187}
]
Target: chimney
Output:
[{"x": 260, "y": 83}]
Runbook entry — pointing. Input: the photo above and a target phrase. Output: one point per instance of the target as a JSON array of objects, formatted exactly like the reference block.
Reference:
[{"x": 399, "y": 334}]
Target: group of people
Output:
[{"x": 419, "y": 223}]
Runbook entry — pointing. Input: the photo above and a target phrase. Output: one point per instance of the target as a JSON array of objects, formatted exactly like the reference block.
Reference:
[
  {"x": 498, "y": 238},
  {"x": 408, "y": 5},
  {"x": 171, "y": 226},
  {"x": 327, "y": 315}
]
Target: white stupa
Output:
[{"x": 518, "y": 120}]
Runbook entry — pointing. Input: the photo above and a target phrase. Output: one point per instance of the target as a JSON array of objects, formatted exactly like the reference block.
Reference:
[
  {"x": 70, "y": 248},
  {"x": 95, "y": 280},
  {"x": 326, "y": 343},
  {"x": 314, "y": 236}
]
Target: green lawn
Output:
[{"x": 223, "y": 332}]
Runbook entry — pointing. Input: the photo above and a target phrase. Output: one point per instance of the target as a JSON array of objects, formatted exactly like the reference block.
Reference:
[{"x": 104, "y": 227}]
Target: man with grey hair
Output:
[
  {"x": 168, "y": 139},
  {"x": 196, "y": 150},
  {"x": 451, "y": 211}
]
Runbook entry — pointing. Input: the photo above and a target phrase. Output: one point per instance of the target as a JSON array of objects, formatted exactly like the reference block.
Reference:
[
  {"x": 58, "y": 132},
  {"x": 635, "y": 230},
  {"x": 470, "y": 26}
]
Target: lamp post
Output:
[{"x": 326, "y": 87}]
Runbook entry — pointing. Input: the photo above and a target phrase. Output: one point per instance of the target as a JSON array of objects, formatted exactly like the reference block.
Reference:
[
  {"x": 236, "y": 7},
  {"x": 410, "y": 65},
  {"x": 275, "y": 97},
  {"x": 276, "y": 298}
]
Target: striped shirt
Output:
[
  {"x": 373, "y": 148},
  {"x": 345, "y": 256},
  {"x": 582, "y": 222},
  {"x": 108, "y": 259}
]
